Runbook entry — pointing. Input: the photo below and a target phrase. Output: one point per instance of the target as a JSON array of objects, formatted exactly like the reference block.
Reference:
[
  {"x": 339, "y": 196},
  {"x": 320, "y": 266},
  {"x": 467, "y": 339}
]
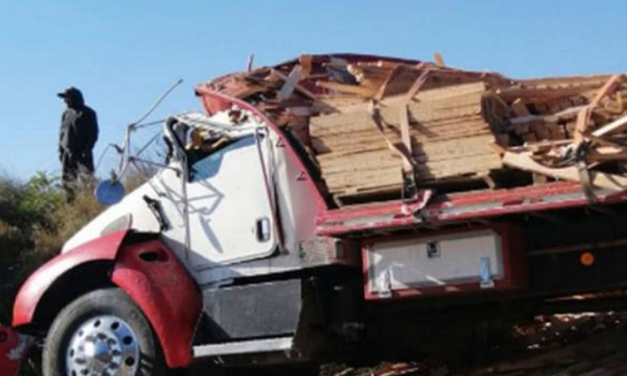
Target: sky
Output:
[{"x": 123, "y": 54}]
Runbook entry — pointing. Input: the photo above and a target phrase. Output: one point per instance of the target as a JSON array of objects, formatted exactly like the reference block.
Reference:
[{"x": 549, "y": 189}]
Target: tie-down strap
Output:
[{"x": 405, "y": 150}]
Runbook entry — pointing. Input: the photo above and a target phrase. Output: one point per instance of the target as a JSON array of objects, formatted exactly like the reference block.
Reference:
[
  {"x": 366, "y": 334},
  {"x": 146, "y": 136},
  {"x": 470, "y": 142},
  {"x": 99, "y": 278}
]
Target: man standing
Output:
[{"x": 79, "y": 133}]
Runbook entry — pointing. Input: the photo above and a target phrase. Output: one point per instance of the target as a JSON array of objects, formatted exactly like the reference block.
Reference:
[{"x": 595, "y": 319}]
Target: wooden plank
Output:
[
  {"x": 448, "y": 97},
  {"x": 422, "y": 112},
  {"x": 439, "y": 59},
  {"x": 607, "y": 153},
  {"x": 371, "y": 75},
  {"x": 423, "y": 132},
  {"x": 368, "y": 76},
  {"x": 305, "y": 62},
  {"x": 350, "y": 89},
  {"x": 544, "y": 94},
  {"x": 615, "y": 126},
  {"x": 524, "y": 162},
  {"x": 541, "y": 131},
  {"x": 447, "y": 148},
  {"x": 583, "y": 118},
  {"x": 384, "y": 91},
  {"x": 375, "y": 170},
  {"x": 594, "y": 156},
  {"x": 519, "y": 108},
  {"x": 299, "y": 88},
  {"x": 249, "y": 64},
  {"x": 290, "y": 83},
  {"x": 590, "y": 82}
]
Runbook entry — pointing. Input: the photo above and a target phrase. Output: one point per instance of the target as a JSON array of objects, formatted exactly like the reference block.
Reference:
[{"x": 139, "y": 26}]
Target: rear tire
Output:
[{"x": 102, "y": 333}]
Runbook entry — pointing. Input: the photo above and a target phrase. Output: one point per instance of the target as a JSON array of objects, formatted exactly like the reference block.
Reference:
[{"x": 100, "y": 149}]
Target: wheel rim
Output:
[{"x": 103, "y": 346}]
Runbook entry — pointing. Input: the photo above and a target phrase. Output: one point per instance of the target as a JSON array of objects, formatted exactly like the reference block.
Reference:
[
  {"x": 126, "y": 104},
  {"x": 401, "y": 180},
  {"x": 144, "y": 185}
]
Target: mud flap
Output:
[{"x": 13, "y": 348}]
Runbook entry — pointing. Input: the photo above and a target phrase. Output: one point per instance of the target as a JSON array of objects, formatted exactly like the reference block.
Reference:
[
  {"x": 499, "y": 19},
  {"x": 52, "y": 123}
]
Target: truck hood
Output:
[{"x": 130, "y": 213}]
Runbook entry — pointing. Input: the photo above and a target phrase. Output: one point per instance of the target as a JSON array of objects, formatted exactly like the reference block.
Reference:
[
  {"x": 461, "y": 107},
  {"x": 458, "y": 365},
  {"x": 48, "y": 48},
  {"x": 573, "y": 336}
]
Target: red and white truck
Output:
[{"x": 234, "y": 255}]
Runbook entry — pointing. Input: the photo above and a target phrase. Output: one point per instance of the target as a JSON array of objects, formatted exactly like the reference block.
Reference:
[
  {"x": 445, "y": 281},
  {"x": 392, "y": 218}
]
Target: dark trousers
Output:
[{"x": 76, "y": 171}]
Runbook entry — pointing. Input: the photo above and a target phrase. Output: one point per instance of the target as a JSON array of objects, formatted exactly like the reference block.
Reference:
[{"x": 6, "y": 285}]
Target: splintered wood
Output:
[{"x": 366, "y": 124}]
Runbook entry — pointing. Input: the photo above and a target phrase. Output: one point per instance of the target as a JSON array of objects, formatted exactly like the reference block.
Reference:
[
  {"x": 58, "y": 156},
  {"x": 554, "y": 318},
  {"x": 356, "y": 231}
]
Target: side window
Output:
[{"x": 203, "y": 165}]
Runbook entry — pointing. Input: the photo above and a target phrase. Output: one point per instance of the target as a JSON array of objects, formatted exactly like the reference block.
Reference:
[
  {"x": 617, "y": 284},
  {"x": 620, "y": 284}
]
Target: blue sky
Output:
[{"x": 123, "y": 53}]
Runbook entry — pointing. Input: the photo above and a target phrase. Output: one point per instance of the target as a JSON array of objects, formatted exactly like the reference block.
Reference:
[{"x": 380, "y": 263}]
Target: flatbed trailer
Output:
[
  {"x": 453, "y": 208},
  {"x": 550, "y": 202}
]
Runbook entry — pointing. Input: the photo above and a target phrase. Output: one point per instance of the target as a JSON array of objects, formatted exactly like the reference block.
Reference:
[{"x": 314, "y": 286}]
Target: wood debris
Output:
[
  {"x": 369, "y": 123},
  {"x": 555, "y": 345}
]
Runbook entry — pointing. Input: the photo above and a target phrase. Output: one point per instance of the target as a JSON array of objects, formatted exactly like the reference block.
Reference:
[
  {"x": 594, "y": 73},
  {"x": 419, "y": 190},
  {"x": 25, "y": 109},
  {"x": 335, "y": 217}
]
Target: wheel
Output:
[{"x": 102, "y": 333}]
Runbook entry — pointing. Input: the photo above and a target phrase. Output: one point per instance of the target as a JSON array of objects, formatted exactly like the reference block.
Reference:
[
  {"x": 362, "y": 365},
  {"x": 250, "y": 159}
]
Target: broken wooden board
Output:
[
  {"x": 374, "y": 76},
  {"x": 613, "y": 127},
  {"x": 523, "y": 161}
]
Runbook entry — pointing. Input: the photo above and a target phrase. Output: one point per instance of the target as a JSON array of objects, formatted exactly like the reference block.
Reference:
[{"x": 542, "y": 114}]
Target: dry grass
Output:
[{"x": 71, "y": 217}]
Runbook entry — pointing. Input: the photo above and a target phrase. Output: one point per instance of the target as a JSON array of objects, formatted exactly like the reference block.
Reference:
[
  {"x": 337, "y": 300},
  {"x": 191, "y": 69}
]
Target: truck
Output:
[{"x": 235, "y": 254}]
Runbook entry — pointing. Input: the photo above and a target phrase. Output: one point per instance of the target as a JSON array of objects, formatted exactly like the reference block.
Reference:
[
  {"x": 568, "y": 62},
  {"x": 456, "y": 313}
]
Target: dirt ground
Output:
[{"x": 558, "y": 345}]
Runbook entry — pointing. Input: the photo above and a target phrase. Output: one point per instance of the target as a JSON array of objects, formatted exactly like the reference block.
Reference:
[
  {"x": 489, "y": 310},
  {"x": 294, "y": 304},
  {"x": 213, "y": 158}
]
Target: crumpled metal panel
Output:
[
  {"x": 161, "y": 286},
  {"x": 27, "y": 301}
]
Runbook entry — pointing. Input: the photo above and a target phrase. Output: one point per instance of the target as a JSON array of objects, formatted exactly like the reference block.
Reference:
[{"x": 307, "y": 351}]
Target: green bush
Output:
[{"x": 35, "y": 221}]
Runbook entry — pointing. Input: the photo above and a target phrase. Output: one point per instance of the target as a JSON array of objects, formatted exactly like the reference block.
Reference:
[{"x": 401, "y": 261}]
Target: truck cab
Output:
[
  {"x": 231, "y": 194},
  {"x": 220, "y": 244}
]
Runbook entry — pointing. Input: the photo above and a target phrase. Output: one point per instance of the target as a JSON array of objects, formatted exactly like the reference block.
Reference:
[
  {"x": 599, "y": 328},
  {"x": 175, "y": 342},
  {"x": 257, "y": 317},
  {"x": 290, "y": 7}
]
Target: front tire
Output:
[{"x": 102, "y": 333}]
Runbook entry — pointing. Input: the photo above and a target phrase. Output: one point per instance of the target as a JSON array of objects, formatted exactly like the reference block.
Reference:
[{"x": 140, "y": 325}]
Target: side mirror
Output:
[{"x": 109, "y": 192}]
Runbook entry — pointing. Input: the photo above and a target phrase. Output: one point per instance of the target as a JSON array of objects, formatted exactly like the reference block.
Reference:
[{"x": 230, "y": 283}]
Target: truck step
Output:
[{"x": 244, "y": 347}]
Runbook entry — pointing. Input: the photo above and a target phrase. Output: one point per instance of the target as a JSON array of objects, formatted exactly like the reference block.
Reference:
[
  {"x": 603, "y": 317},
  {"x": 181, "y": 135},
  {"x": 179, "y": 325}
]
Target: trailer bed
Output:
[{"x": 428, "y": 209}]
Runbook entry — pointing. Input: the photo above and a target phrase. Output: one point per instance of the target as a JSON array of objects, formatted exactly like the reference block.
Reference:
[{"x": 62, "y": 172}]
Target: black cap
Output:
[{"x": 69, "y": 92}]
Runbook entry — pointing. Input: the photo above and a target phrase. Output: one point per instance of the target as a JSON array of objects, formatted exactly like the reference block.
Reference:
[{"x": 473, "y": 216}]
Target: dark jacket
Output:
[{"x": 79, "y": 130}]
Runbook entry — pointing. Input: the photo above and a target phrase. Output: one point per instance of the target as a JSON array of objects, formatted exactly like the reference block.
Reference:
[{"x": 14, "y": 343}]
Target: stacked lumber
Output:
[
  {"x": 575, "y": 131},
  {"x": 552, "y": 105},
  {"x": 367, "y": 124},
  {"x": 447, "y": 125}
]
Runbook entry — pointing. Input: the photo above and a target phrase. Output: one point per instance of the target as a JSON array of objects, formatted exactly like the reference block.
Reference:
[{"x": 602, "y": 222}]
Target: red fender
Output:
[
  {"x": 27, "y": 301},
  {"x": 161, "y": 286},
  {"x": 13, "y": 347},
  {"x": 148, "y": 272}
]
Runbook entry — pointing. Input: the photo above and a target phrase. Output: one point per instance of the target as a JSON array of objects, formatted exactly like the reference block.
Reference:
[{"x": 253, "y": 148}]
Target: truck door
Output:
[{"x": 230, "y": 214}]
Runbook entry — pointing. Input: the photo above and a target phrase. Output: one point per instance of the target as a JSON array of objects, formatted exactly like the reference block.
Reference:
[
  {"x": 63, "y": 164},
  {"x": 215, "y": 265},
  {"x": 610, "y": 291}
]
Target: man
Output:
[{"x": 79, "y": 133}]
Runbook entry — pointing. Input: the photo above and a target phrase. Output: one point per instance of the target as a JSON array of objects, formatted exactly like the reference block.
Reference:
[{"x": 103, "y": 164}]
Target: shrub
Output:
[{"x": 35, "y": 221}]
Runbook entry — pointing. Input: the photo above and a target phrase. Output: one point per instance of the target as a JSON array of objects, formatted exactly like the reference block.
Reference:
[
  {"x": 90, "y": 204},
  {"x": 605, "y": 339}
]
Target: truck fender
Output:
[
  {"x": 163, "y": 289},
  {"x": 39, "y": 283},
  {"x": 13, "y": 348},
  {"x": 147, "y": 271}
]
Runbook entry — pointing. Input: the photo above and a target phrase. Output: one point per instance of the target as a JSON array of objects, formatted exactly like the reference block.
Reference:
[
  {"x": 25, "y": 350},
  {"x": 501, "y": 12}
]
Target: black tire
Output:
[{"x": 110, "y": 302}]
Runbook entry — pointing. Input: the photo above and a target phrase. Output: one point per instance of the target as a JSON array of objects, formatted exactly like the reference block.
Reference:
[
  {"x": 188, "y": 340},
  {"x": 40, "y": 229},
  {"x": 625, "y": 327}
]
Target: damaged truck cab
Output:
[
  {"x": 235, "y": 252},
  {"x": 233, "y": 204}
]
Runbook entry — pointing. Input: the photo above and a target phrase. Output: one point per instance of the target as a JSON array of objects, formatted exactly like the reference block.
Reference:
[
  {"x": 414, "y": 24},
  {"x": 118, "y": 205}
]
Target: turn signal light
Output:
[{"x": 587, "y": 259}]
